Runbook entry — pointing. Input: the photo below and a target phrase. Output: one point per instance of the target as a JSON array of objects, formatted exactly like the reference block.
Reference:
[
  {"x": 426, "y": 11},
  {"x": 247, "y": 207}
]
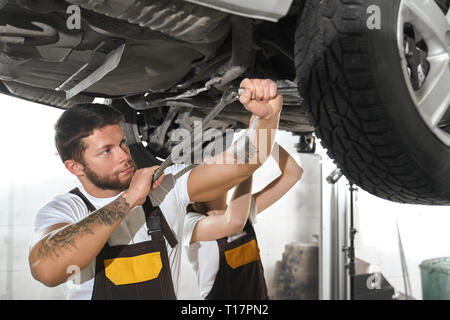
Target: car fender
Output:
[{"x": 270, "y": 10}]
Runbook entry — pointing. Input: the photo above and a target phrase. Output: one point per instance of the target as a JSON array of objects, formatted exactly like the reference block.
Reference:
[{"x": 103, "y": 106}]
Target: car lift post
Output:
[{"x": 337, "y": 252}]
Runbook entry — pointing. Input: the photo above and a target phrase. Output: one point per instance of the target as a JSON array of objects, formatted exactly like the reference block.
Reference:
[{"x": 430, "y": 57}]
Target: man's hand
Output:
[
  {"x": 212, "y": 179},
  {"x": 260, "y": 97},
  {"x": 141, "y": 185}
]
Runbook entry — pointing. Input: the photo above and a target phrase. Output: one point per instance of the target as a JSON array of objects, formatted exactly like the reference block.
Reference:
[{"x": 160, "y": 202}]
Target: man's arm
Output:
[
  {"x": 75, "y": 244},
  {"x": 291, "y": 173},
  {"x": 210, "y": 179},
  {"x": 222, "y": 223},
  {"x": 78, "y": 244}
]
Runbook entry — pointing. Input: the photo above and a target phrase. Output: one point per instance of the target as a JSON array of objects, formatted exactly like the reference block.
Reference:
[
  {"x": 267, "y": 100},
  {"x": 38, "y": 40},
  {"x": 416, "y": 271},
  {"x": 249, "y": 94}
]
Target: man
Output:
[
  {"x": 230, "y": 268},
  {"x": 100, "y": 227}
]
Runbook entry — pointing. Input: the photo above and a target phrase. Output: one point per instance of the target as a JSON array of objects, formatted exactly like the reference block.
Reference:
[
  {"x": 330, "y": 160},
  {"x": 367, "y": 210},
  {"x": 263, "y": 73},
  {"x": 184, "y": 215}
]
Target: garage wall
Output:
[
  {"x": 31, "y": 175},
  {"x": 423, "y": 230},
  {"x": 424, "y": 235},
  {"x": 16, "y": 234}
]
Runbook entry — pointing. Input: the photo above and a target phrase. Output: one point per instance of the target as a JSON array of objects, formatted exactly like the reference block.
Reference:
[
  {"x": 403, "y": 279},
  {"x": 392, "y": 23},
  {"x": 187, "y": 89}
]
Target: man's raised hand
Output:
[{"x": 260, "y": 97}]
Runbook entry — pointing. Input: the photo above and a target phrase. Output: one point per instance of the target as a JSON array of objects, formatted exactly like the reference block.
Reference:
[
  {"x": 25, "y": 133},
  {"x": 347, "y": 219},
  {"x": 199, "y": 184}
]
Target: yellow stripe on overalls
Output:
[
  {"x": 242, "y": 255},
  {"x": 133, "y": 269}
]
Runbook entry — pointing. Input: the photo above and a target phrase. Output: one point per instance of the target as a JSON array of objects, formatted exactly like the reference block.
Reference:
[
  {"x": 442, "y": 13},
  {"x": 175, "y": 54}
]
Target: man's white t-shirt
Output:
[
  {"x": 204, "y": 255},
  {"x": 172, "y": 198}
]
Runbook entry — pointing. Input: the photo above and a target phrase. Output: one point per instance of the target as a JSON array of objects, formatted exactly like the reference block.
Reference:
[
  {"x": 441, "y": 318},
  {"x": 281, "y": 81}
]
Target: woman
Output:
[{"x": 220, "y": 240}]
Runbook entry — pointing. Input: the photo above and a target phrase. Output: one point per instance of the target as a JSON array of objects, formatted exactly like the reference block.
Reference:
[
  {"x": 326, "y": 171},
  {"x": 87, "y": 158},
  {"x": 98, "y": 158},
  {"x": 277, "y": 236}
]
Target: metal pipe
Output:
[{"x": 229, "y": 96}]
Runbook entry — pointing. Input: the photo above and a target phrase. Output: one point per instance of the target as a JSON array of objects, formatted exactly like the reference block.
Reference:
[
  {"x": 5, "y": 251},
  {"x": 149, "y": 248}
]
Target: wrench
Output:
[{"x": 229, "y": 96}]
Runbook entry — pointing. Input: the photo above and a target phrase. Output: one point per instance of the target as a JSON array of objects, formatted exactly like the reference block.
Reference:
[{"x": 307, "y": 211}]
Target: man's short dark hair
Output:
[{"x": 79, "y": 122}]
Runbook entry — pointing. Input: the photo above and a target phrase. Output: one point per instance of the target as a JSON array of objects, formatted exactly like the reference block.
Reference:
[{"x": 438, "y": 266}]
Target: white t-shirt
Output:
[
  {"x": 172, "y": 198},
  {"x": 204, "y": 255}
]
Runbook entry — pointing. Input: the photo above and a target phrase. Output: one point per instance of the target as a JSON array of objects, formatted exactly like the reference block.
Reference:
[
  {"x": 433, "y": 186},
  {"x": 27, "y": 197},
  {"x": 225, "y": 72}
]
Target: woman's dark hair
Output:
[
  {"x": 198, "y": 207},
  {"x": 79, "y": 122}
]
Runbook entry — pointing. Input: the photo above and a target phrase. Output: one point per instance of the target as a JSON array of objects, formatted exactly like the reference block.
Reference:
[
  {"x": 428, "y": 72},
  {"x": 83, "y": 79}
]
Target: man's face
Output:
[{"x": 107, "y": 161}]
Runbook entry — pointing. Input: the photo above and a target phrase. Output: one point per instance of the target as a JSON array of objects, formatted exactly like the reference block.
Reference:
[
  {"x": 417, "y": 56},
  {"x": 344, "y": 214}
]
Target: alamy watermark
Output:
[
  {"x": 73, "y": 22},
  {"x": 74, "y": 279},
  {"x": 374, "y": 281},
  {"x": 247, "y": 149},
  {"x": 374, "y": 19}
]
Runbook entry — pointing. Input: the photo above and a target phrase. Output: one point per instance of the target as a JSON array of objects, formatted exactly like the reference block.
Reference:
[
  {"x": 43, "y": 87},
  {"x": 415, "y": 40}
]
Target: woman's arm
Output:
[
  {"x": 291, "y": 173},
  {"x": 222, "y": 223}
]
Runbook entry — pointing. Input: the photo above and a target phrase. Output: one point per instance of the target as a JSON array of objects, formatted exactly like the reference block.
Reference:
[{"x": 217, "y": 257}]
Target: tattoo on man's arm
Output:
[{"x": 65, "y": 239}]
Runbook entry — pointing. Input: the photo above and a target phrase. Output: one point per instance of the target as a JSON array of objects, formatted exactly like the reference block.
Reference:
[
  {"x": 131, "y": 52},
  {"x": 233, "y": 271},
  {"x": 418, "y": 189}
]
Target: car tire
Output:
[{"x": 361, "y": 104}]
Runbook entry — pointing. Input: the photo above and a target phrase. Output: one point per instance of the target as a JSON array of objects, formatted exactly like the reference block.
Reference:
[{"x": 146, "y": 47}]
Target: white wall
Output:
[
  {"x": 31, "y": 174},
  {"x": 424, "y": 235},
  {"x": 423, "y": 230}
]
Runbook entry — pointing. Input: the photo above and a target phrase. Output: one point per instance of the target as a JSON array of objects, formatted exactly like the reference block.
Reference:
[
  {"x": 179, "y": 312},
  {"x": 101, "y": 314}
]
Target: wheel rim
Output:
[{"x": 424, "y": 43}]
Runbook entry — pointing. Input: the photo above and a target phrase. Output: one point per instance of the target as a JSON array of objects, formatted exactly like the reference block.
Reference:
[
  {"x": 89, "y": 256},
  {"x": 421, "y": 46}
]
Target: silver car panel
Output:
[{"x": 271, "y": 10}]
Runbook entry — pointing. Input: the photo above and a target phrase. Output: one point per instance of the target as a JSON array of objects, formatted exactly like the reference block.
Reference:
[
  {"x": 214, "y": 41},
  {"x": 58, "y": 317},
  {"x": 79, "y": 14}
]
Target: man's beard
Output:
[{"x": 108, "y": 183}]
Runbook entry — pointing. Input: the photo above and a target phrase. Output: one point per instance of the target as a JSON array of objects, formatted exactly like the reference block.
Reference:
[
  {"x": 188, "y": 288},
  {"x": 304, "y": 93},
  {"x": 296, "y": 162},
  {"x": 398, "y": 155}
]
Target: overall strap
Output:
[
  {"x": 153, "y": 217},
  {"x": 88, "y": 204},
  {"x": 156, "y": 221},
  {"x": 249, "y": 227}
]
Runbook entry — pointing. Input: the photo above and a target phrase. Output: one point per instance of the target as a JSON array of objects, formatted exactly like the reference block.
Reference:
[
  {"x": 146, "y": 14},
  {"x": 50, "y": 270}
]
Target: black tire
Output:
[
  {"x": 358, "y": 101},
  {"x": 141, "y": 156}
]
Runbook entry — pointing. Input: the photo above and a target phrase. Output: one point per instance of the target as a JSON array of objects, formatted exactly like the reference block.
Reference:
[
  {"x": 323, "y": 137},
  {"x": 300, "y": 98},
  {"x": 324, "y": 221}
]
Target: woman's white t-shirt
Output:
[
  {"x": 204, "y": 255},
  {"x": 172, "y": 198}
]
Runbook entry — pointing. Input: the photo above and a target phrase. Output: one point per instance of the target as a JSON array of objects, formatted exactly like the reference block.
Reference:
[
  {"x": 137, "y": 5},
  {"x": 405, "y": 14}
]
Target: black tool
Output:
[{"x": 229, "y": 96}]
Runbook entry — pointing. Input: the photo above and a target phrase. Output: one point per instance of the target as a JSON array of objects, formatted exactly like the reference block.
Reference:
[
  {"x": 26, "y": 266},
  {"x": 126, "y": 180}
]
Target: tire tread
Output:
[{"x": 333, "y": 71}]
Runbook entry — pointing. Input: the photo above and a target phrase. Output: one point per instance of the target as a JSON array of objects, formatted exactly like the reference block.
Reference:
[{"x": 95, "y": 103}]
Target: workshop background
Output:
[{"x": 32, "y": 174}]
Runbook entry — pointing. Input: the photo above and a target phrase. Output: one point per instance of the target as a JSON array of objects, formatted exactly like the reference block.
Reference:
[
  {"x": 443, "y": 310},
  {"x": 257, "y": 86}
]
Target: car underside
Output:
[{"x": 165, "y": 63}]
